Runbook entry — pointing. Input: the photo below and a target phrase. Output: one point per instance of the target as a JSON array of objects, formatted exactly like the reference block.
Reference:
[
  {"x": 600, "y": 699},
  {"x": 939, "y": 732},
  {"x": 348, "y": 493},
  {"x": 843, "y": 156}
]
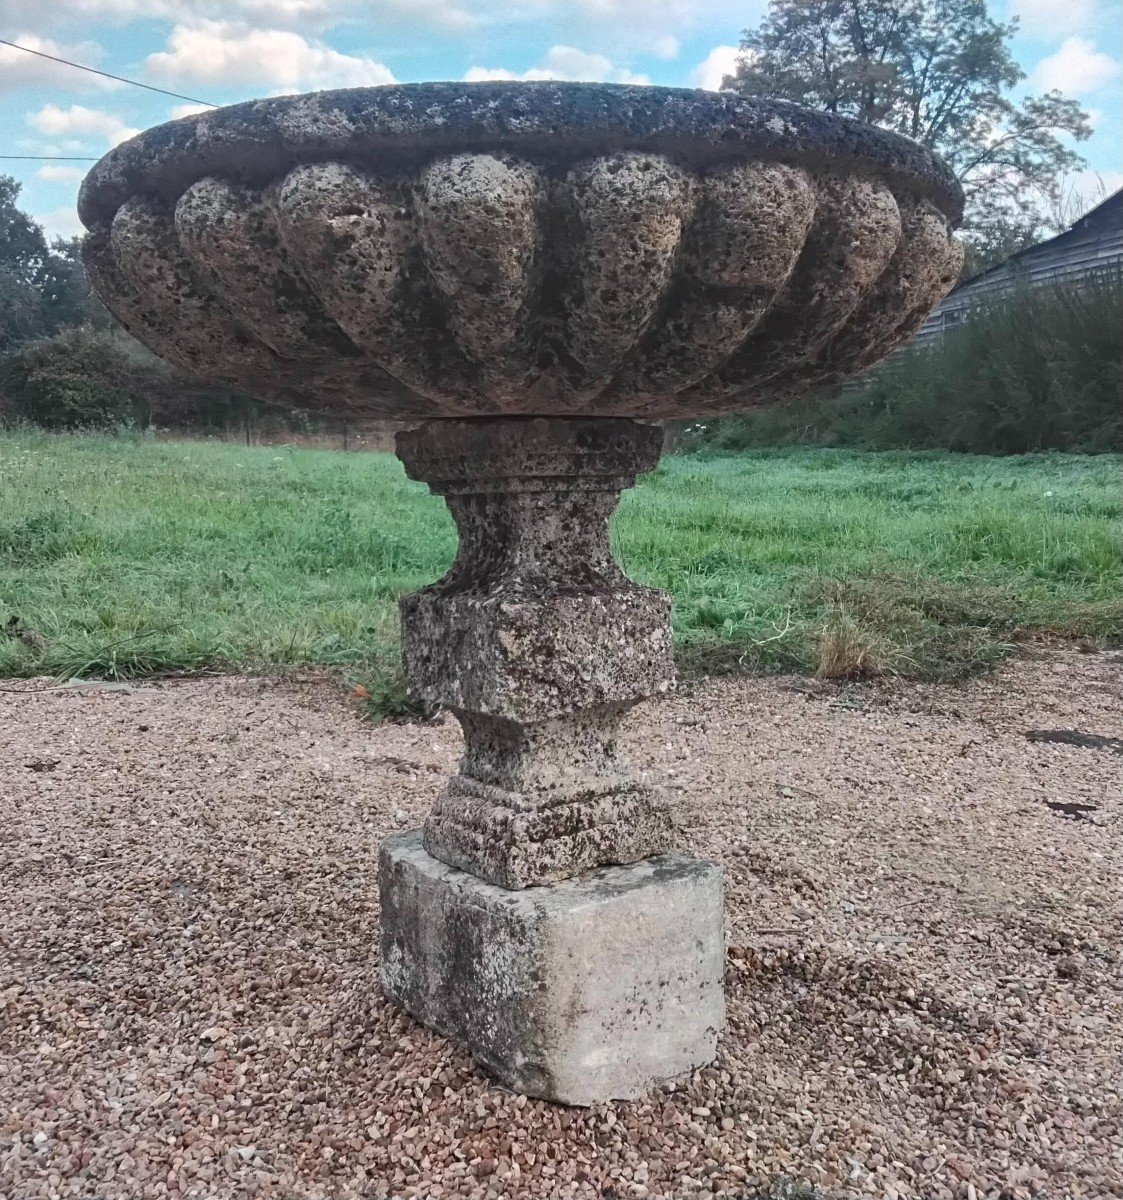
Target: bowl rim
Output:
[{"x": 403, "y": 125}]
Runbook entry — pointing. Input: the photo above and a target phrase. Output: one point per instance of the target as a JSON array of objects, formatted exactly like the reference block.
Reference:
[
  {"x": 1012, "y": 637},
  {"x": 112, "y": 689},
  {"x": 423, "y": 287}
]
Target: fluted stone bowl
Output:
[{"x": 441, "y": 250}]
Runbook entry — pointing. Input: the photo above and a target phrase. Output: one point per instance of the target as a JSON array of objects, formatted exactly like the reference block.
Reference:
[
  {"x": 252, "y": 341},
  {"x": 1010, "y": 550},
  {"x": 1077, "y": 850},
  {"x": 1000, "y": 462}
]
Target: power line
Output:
[
  {"x": 51, "y": 157},
  {"x": 104, "y": 74}
]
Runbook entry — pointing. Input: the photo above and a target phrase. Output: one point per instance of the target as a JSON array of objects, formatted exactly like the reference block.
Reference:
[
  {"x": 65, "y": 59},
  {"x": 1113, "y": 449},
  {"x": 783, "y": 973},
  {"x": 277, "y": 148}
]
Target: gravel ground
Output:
[{"x": 924, "y": 971}]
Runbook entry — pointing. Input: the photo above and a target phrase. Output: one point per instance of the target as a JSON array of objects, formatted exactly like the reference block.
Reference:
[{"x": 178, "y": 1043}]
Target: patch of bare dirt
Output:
[{"x": 924, "y": 976}]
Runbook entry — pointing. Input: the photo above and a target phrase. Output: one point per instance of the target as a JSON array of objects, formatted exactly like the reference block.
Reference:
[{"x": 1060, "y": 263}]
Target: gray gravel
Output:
[{"x": 924, "y": 967}]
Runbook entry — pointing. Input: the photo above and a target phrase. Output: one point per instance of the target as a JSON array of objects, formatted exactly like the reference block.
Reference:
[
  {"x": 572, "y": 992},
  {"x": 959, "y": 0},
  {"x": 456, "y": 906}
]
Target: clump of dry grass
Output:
[{"x": 846, "y": 653}]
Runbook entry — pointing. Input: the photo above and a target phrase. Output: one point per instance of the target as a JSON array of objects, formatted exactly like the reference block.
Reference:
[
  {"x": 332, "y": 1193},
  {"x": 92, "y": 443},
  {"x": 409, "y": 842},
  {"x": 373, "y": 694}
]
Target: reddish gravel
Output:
[{"x": 924, "y": 973}]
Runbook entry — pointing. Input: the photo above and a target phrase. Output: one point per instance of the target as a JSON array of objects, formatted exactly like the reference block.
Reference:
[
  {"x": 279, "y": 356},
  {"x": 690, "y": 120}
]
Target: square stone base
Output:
[{"x": 593, "y": 989}]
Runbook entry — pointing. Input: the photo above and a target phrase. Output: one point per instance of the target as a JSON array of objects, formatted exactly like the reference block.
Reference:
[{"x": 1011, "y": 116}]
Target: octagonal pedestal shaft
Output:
[{"x": 607, "y": 980}]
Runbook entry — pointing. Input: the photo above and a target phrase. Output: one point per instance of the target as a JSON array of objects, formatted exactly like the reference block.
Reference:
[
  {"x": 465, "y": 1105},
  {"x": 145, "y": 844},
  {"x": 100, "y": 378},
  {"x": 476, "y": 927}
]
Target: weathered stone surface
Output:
[
  {"x": 539, "y": 644},
  {"x": 553, "y": 259},
  {"x": 855, "y": 233},
  {"x": 628, "y": 212},
  {"x": 232, "y": 238},
  {"x": 925, "y": 266},
  {"x": 525, "y": 249},
  {"x": 479, "y": 229},
  {"x": 157, "y": 301},
  {"x": 592, "y": 990},
  {"x": 752, "y": 225}
]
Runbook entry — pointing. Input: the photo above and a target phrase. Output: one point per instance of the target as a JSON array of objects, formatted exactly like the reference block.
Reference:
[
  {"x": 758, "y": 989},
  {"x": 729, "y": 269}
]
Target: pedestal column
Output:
[
  {"x": 607, "y": 980},
  {"x": 539, "y": 644}
]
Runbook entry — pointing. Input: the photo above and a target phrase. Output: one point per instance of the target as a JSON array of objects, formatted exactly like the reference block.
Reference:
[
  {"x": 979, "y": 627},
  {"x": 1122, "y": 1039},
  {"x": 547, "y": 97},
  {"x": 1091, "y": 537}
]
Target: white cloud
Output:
[
  {"x": 69, "y": 146},
  {"x": 60, "y": 174},
  {"x": 188, "y": 110},
  {"x": 60, "y": 222},
  {"x": 226, "y": 52},
  {"x": 565, "y": 63},
  {"x": 721, "y": 61},
  {"x": 18, "y": 69},
  {"x": 1051, "y": 19},
  {"x": 323, "y": 14},
  {"x": 488, "y": 75},
  {"x": 275, "y": 12},
  {"x": 81, "y": 122},
  {"x": 120, "y": 9},
  {"x": 619, "y": 27},
  {"x": 666, "y": 47},
  {"x": 285, "y": 13},
  {"x": 1077, "y": 68}
]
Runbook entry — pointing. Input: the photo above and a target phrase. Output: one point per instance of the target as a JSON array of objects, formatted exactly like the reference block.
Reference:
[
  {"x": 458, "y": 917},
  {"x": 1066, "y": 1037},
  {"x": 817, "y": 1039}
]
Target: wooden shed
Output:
[{"x": 1091, "y": 248}]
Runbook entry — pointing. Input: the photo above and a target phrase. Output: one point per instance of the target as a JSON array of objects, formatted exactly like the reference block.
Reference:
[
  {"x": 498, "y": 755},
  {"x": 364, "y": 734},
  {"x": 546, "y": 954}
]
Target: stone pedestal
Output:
[
  {"x": 591, "y": 990},
  {"x": 511, "y": 923},
  {"x": 467, "y": 255}
]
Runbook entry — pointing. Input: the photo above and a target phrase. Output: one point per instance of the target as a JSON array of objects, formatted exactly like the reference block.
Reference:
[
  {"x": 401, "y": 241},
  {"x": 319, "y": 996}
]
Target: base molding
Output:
[{"x": 485, "y": 831}]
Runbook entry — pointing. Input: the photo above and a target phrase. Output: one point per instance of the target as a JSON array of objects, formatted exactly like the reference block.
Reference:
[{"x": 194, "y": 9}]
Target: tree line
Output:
[{"x": 42, "y": 287}]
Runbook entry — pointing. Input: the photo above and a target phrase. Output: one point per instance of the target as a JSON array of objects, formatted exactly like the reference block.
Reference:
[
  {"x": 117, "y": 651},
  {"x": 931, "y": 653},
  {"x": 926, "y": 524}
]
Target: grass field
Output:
[{"x": 123, "y": 557}]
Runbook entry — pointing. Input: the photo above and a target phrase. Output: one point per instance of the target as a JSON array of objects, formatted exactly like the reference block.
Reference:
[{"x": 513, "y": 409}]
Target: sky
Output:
[{"x": 224, "y": 51}]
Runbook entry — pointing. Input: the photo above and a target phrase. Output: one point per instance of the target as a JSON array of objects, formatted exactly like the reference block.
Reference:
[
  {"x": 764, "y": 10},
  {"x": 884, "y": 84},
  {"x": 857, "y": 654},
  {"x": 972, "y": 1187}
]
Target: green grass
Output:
[{"x": 131, "y": 557}]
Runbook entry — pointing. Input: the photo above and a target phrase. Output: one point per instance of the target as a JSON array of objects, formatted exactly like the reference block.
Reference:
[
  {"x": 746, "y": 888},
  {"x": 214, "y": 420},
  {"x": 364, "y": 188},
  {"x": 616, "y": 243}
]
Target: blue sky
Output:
[{"x": 224, "y": 51}]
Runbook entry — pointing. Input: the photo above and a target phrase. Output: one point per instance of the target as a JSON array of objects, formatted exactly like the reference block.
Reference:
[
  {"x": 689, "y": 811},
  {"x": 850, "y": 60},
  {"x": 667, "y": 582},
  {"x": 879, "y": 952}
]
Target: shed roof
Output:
[{"x": 1107, "y": 213}]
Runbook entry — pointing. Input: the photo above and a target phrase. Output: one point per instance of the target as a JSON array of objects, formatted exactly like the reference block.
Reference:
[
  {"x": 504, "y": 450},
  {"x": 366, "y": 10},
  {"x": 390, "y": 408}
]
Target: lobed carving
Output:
[
  {"x": 628, "y": 214},
  {"x": 752, "y": 224},
  {"x": 482, "y": 283},
  {"x": 478, "y": 217}
]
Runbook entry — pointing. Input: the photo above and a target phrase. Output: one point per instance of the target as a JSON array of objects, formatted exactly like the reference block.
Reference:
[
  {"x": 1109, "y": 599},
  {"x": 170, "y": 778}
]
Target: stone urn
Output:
[{"x": 528, "y": 275}]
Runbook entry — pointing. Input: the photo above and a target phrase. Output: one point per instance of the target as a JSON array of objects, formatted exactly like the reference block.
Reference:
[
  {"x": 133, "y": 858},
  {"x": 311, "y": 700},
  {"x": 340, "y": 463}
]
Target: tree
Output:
[
  {"x": 42, "y": 287},
  {"x": 21, "y": 311},
  {"x": 23, "y": 251},
  {"x": 23, "y": 248},
  {"x": 66, "y": 296},
  {"x": 940, "y": 72}
]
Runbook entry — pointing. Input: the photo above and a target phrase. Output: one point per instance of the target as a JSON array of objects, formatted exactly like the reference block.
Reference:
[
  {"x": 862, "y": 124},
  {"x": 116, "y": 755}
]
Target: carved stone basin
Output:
[
  {"x": 529, "y": 268},
  {"x": 515, "y": 249}
]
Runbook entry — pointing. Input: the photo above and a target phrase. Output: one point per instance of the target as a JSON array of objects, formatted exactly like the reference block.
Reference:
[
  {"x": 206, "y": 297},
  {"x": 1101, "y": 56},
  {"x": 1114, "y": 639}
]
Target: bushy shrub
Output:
[
  {"x": 1039, "y": 370},
  {"x": 89, "y": 378},
  {"x": 80, "y": 378}
]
